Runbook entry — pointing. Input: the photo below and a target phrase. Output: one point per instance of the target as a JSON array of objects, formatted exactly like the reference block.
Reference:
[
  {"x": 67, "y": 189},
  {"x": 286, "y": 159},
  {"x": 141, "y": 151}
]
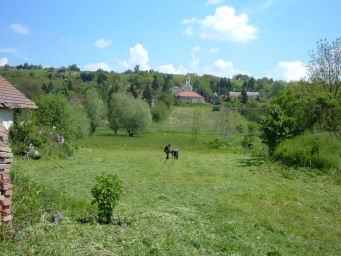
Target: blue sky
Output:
[{"x": 220, "y": 37}]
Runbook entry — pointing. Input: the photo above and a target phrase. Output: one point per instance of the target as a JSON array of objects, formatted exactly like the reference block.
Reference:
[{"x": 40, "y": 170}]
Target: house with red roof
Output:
[
  {"x": 11, "y": 99},
  {"x": 188, "y": 96}
]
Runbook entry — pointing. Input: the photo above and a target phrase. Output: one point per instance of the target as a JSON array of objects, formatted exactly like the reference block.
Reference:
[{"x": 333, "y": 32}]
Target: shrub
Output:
[
  {"x": 106, "y": 193},
  {"x": 321, "y": 151},
  {"x": 24, "y": 132},
  {"x": 159, "y": 111}
]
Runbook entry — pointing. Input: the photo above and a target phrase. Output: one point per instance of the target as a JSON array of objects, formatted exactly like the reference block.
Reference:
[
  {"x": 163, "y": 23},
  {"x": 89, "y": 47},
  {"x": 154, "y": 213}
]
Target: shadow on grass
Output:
[{"x": 254, "y": 161}]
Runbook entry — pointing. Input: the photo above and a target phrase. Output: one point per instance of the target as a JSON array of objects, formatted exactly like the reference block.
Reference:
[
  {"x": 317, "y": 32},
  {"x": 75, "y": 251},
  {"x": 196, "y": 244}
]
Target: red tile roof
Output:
[
  {"x": 189, "y": 94},
  {"x": 11, "y": 98}
]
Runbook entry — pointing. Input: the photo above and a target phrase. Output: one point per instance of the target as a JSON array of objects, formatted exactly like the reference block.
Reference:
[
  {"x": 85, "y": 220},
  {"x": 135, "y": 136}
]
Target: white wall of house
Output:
[{"x": 7, "y": 118}]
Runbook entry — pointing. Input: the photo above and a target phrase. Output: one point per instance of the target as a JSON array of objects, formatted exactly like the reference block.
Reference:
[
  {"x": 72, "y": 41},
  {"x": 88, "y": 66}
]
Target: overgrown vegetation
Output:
[{"x": 320, "y": 151}]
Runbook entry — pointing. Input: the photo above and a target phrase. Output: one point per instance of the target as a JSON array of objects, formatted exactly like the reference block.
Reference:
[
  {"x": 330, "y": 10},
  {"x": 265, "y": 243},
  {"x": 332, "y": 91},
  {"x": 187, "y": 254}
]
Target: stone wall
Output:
[{"x": 6, "y": 158}]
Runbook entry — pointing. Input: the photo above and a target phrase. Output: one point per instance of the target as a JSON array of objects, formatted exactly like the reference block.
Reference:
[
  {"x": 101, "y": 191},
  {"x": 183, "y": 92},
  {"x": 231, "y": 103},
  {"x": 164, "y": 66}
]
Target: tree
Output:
[
  {"x": 244, "y": 96},
  {"x": 137, "y": 69},
  {"x": 129, "y": 113},
  {"x": 101, "y": 78},
  {"x": 94, "y": 107},
  {"x": 276, "y": 127},
  {"x": 86, "y": 76},
  {"x": 73, "y": 67},
  {"x": 156, "y": 83},
  {"x": 147, "y": 94},
  {"x": 132, "y": 90},
  {"x": 324, "y": 67}
]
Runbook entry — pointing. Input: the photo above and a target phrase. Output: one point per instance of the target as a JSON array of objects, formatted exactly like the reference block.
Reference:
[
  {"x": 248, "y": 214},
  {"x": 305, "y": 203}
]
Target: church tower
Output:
[{"x": 188, "y": 86}]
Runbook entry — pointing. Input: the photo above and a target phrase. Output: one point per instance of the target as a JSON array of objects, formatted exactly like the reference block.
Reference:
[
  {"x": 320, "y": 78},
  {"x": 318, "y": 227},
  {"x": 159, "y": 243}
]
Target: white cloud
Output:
[
  {"x": 137, "y": 56},
  {"x": 102, "y": 43},
  {"x": 221, "y": 68},
  {"x": 20, "y": 29},
  {"x": 188, "y": 31},
  {"x": 289, "y": 71},
  {"x": 215, "y": 1},
  {"x": 224, "y": 25},
  {"x": 3, "y": 61},
  {"x": 96, "y": 66},
  {"x": 169, "y": 69},
  {"x": 16, "y": 52},
  {"x": 213, "y": 50}
]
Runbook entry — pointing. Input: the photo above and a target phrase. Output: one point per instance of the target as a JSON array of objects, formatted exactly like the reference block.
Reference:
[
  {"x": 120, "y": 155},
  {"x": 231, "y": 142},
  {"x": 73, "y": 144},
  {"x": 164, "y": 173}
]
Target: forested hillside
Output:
[{"x": 36, "y": 80}]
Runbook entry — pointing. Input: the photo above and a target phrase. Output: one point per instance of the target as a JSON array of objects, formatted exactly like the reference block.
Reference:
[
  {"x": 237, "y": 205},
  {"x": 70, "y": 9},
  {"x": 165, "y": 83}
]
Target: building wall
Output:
[{"x": 6, "y": 117}]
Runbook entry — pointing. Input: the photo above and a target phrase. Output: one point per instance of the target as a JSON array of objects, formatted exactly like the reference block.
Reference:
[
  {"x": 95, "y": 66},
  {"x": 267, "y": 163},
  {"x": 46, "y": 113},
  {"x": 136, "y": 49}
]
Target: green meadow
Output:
[{"x": 212, "y": 201}]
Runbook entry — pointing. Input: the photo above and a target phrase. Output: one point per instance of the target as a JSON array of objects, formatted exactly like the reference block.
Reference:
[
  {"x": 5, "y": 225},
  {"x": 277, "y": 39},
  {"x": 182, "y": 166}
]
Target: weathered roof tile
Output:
[{"x": 10, "y": 97}]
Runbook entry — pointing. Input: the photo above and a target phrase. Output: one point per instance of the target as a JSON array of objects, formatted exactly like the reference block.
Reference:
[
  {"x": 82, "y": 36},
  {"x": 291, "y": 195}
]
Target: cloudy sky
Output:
[{"x": 220, "y": 37}]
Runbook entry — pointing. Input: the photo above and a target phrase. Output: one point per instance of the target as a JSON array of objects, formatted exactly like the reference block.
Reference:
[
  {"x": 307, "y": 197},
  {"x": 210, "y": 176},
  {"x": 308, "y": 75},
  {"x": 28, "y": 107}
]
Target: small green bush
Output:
[
  {"x": 317, "y": 150},
  {"x": 159, "y": 111},
  {"x": 106, "y": 193}
]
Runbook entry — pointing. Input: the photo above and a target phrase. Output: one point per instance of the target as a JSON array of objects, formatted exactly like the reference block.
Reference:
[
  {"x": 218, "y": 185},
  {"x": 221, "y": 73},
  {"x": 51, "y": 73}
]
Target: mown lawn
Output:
[{"x": 205, "y": 203}]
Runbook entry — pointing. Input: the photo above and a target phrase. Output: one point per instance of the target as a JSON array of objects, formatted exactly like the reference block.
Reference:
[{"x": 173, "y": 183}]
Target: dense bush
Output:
[
  {"x": 322, "y": 151},
  {"x": 106, "y": 193},
  {"x": 159, "y": 111},
  {"x": 25, "y": 133},
  {"x": 55, "y": 111}
]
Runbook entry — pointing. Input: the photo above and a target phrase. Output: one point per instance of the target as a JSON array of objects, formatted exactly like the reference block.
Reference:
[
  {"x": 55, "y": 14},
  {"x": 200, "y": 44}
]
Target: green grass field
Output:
[{"x": 209, "y": 202}]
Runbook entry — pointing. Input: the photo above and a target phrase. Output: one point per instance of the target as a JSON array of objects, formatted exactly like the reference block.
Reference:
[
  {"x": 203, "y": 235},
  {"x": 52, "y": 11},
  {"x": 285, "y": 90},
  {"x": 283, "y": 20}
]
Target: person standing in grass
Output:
[{"x": 167, "y": 150}]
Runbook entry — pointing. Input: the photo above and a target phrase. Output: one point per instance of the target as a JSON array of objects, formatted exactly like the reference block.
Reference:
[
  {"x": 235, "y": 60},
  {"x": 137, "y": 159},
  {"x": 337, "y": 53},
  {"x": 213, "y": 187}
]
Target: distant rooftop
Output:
[{"x": 189, "y": 94}]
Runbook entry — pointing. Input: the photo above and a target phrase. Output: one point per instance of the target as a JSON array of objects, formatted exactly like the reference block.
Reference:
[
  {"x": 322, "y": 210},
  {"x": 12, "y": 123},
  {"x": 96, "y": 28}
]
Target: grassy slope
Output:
[{"x": 203, "y": 204}]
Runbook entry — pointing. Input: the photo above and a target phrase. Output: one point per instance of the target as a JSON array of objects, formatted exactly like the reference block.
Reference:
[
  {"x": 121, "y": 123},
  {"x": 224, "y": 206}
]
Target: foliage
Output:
[
  {"x": 55, "y": 112},
  {"x": 87, "y": 76},
  {"x": 94, "y": 107},
  {"x": 26, "y": 199},
  {"x": 127, "y": 112},
  {"x": 313, "y": 110},
  {"x": 79, "y": 121},
  {"x": 167, "y": 99},
  {"x": 106, "y": 193},
  {"x": 324, "y": 67},
  {"x": 25, "y": 133},
  {"x": 276, "y": 127},
  {"x": 159, "y": 111},
  {"x": 316, "y": 150}
]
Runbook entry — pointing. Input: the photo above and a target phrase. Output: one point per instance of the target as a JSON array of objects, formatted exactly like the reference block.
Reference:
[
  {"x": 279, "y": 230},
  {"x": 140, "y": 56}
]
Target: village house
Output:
[
  {"x": 193, "y": 97},
  {"x": 187, "y": 95},
  {"x": 10, "y": 100}
]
